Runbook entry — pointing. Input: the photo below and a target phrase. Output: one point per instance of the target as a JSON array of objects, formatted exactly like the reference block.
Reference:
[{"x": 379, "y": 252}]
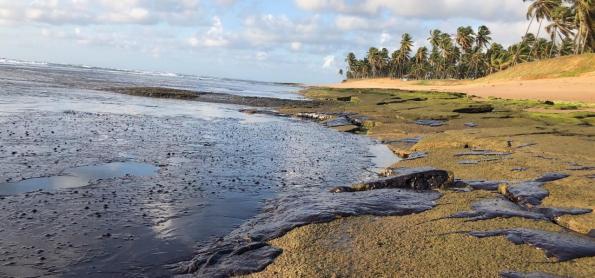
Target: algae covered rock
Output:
[
  {"x": 405, "y": 178},
  {"x": 475, "y": 109}
]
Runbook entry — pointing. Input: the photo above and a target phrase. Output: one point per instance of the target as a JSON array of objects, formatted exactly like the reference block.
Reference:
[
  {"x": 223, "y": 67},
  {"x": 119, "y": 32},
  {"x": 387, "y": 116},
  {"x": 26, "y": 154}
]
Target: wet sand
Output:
[{"x": 182, "y": 174}]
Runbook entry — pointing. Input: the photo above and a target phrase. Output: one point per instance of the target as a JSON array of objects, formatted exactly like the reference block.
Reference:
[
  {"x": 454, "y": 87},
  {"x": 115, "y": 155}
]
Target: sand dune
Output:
[{"x": 580, "y": 88}]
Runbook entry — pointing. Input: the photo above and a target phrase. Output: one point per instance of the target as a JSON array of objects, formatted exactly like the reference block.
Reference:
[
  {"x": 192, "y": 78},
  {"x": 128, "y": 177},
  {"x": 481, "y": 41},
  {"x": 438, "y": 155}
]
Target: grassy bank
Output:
[
  {"x": 541, "y": 137},
  {"x": 560, "y": 67}
]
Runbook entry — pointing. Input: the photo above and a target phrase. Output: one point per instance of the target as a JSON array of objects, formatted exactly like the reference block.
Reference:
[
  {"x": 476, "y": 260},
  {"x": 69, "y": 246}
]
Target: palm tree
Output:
[
  {"x": 566, "y": 47},
  {"x": 375, "y": 61},
  {"x": 539, "y": 10},
  {"x": 420, "y": 63},
  {"x": 583, "y": 11},
  {"x": 465, "y": 38},
  {"x": 483, "y": 39},
  {"x": 403, "y": 54},
  {"x": 560, "y": 25}
]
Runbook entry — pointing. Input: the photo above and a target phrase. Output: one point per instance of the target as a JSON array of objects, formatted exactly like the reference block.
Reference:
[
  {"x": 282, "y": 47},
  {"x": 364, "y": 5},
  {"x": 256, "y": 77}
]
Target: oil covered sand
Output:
[{"x": 430, "y": 244}]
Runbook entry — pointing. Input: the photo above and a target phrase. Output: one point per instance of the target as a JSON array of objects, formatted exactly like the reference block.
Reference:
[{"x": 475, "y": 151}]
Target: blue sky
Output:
[{"x": 289, "y": 41}]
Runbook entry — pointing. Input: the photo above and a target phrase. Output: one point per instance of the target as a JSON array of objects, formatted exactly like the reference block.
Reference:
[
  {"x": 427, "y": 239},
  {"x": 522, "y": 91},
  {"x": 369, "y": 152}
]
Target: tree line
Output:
[{"x": 471, "y": 54}]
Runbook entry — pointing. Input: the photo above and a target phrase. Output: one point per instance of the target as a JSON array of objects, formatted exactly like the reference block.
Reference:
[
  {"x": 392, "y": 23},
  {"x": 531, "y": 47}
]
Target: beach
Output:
[
  {"x": 562, "y": 89},
  {"x": 306, "y": 190}
]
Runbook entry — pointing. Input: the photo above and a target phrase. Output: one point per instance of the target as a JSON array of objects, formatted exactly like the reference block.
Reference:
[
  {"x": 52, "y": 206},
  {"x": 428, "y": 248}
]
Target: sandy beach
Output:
[{"x": 570, "y": 89}]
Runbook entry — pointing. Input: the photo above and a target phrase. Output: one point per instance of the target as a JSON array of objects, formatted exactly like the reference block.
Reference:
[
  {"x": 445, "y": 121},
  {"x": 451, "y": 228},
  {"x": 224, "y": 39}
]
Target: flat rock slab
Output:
[
  {"x": 245, "y": 250},
  {"x": 529, "y": 193},
  {"x": 431, "y": 123},
  {"x": 582, "y": 168},
  {"x": 468, "y": 162},
  {"x": 484, "y": 185},
  {"x": 514, "y": 274},
  {"x": 475, "y": 109},
  {"x": 501, "y": 207},
  {"x": 416, "y": 155},
  {"x": 563, "y": 246},
  {"x": 407, "y": 178},
  {"x": 340, "y": 121},
  {"x": 497, "y": 207},
  {"x": 412, "y": 140},
  {"x": 551, "y": 177},
  {"x": 482, "y": 153}
]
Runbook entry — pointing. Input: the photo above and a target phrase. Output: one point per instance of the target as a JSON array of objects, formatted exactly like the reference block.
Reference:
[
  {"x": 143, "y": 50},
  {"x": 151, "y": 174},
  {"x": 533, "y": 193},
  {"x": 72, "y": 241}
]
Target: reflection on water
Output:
[
  {"x": 79, "y": 177},
  {"x": 382, "y": 156}
]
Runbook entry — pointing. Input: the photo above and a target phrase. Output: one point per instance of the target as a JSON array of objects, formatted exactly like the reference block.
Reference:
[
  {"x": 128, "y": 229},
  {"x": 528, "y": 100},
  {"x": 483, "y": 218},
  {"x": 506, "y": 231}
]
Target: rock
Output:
[
  {"x": 408, "y": 178},
  {"x": 431, "y": 123},
  {"x": 501, "y": 207},
  {"x": 482, "y": 153},
  {"x": 348, "y": 98},
  {"x": 548, "y": 102},
  {"x": 341, "y": 189},
  {"x": 411, "y": 156},
  {"x": 518, "y": 169},
  {"x": 582, "y": 168},
  {"x": 529, "y": 193},
  {"x": 468, "y": 162},
  {"x": 413, "y": 140},
  {"x": 391, "y": 101},
  {"x": 497, "y": 207},
  {"x": 564, "y": 246},
  {"x": 315, "y": 116},
  {"x": 471, "y": 124},
  {"x": 475, "y": 109},
  {"x": 485, "y": 185},
  {"x": 340, "y": 121},
  {"x": 551, "y": 177},
  {"x": 514, "y": 274}
]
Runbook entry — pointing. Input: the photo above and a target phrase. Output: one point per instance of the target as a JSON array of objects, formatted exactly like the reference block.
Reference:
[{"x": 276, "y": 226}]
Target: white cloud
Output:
[
  {"x": 173, "y": 12},
  {"x": 296, "y": 46},
  {"x": 435, "y": 9},
  {"x": 328, "y": 62},
  {"x": 261, "y": 55},
  {"x": 214, "y": 37}
]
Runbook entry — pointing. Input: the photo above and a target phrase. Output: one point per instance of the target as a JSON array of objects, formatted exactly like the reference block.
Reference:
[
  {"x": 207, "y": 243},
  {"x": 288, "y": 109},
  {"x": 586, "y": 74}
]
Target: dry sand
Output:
[{"x": 580, "y": 88}]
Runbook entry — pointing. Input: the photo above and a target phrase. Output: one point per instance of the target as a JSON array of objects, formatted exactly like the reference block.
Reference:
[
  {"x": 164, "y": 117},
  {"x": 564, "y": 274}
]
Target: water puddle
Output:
[
  {"x": 382, "y": 157},
  {"x": 79, "y": 177}
]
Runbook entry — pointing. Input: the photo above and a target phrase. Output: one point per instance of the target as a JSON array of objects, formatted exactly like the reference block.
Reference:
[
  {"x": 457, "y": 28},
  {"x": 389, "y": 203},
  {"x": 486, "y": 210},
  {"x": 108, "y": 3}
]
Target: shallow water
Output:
[
  {"x": 78, "y": 177},
  {"x": 217, "y": 167}
]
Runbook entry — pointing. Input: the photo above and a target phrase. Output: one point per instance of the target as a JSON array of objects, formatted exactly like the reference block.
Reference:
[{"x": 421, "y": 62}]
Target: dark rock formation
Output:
[
  {"x": 407, "y": 178},
  {"x": 475, "y": 109}
]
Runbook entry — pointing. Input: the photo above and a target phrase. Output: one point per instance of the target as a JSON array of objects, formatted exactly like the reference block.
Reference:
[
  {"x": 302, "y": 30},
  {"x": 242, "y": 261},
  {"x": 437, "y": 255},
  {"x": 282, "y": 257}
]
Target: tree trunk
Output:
[{"x": 523, "y": 40}]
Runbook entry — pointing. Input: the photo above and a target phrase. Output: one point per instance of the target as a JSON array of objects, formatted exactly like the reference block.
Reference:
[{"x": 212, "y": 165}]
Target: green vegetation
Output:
[{"x": 470, "y": 54}]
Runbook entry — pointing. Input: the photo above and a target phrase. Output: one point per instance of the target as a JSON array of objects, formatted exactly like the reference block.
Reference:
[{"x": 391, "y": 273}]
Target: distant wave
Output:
[{"x": 7, "y": 61}]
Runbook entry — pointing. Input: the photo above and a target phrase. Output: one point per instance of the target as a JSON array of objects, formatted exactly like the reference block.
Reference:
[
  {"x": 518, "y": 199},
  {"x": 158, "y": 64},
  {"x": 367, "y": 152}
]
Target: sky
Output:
[{"x": 269, "y": 40}]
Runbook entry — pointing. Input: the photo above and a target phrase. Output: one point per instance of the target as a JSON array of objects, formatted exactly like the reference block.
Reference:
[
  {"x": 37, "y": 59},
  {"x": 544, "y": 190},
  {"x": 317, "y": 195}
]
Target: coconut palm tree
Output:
[
  {"x": 403, "y": 54},
  {"x": 465, "y": 38},
  {"x": 419, "y": 70},
  {"x": 483, "y": 39},
  {"x": 375, "y": 61},
  {"x": 560, "y": 25},
  {"x": 583, "y": 11},
  {"x": 539, "y": 10}
]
